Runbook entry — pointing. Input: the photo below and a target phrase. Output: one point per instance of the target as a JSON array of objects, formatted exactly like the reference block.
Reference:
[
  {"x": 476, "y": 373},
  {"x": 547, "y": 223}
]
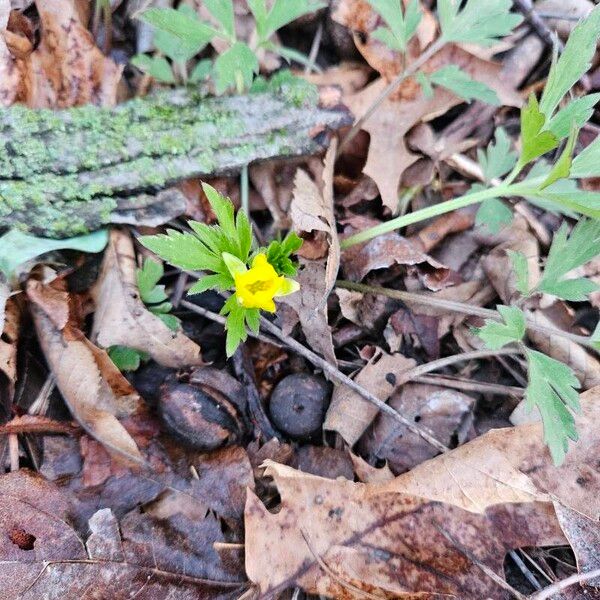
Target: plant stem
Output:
[
  {"x": 244, "y": 191},
  {"x": 457, "y": 307},
  {"x": 433, "y": 49},
  {"x": 425, "y": 213}
]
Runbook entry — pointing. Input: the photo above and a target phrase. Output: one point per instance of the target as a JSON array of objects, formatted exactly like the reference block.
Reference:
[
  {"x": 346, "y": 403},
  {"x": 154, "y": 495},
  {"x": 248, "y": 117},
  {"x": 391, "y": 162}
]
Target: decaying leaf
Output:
[
  {"x": 8, "y": 352},
  {"x": 43, "y": 556},
  {"x": 92, "y": 387},
  {"x": 430, "y": 532},
  {"x": 349, "y": 414},
  {"x": 121, "y": 319},
  {"x": 66, "y": 69},
  {"x": 312, "y": 210}
]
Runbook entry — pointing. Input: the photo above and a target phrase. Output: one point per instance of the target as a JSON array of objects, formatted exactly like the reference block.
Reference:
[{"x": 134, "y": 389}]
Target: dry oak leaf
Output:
[
  {"x": 121, "y": 319},
  {"x": 66, "y": 69},
  {"x": 43, "y": 556},
  {"x": 349, "y": 540},
  {"x": 92, "y": 387},
  {"x": 349, "y": 414},
  {"x": 388, "y": 155},
  {"x": 8, "y": 350}
]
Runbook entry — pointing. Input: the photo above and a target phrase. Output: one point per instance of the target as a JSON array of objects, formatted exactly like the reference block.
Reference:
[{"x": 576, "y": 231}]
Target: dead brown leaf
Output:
[
  {"x": 349, "y": 414},
  {"x": 8, "y": 351},
  {"x": 94, "y": 390},
  {"x": 121, "y": 317},
  {"x": 66, "y": 69}
]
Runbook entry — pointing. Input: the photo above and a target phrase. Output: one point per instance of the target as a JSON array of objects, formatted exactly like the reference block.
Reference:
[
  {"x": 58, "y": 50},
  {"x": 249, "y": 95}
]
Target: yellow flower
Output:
[{"x": 258, "y": 286}]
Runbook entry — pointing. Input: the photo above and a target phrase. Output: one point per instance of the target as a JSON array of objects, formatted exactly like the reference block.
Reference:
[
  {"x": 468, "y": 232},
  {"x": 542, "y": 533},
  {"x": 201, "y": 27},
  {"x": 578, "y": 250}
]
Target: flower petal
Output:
[
  {"x": 288, "y": 286},
  {"x": 234, "y": 264}
]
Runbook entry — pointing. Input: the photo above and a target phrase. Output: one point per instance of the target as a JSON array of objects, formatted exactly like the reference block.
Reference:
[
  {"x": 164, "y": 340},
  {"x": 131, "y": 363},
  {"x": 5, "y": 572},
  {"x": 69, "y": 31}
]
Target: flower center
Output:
[{"x": 259, "y": 286}]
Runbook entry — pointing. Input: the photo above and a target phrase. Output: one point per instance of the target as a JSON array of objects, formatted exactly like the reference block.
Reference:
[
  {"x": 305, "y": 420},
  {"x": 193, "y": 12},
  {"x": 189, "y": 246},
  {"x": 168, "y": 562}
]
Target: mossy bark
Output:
[{"x": 64, "y": 173}]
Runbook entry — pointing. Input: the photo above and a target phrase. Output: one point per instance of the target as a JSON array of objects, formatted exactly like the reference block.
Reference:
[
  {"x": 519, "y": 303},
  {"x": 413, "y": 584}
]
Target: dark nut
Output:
[
  {"x": 203, "y": 417},
  {"x": 148, "y": 379},
  {"x": 298, "y": 404}
]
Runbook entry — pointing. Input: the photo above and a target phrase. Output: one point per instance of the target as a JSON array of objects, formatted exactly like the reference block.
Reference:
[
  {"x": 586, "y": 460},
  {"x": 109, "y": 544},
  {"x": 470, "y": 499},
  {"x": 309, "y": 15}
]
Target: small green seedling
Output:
[{"x": 226, "y": 252}]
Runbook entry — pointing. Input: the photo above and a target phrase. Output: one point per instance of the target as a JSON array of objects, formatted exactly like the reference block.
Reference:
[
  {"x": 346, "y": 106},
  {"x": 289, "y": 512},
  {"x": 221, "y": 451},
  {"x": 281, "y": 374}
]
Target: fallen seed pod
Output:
[
  {"x": 298, "y": 405},
  {"x": 205, "y": 410}
]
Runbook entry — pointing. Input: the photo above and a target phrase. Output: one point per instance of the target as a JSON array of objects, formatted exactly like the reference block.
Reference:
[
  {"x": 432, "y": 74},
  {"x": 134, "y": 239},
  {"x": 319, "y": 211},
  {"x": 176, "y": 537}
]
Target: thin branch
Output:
[
  {"x": 540, "y": 27},
  {"x": 481, "y": 387},
  {"x": 557, "y": 587}
]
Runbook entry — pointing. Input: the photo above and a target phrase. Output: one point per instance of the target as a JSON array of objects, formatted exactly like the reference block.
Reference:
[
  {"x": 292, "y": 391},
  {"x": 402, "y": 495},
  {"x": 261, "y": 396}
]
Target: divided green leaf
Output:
[
  {"x": 577, "y": 113},
  {"x": 562, "y": 167},
  {"x": 157, "y": 67},
  {"x": 458, "y": 82},
  {"x": 222, "y": 11},
  {"x": 498, "y": 159},
  {"x": 587, "y": 162},
  {"x": 481, "y": 22},
  {"x": 235, "y": 68},
  {"x": 496, "y": 334},
  {"x": 494, "y": 215},
  {"x": 174, "y": 47},
  {"x": 401, "y": 25},
  {"x": 552, "y": 389},
  {"x": 535, "y": 140},
  {"x": 567, "y": 253},
  {"x": 521, "y": 269},
  {"x": 573, "y": 63},
  {"x": 279, "y": 252}
]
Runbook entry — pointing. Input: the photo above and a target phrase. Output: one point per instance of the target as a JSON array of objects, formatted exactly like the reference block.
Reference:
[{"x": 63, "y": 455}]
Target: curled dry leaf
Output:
[
  {"x": 312, "y": 210},
  {"x": 121, "y": 319},
  {"x": 8, "y": 352},
  {"x": 66, "y": 69},
  {"x": 349, "y": 414},
  {"x": 426, "y": 531},
  {"x": 92, "y": 387},
  {"x": 43, "y": 555}
]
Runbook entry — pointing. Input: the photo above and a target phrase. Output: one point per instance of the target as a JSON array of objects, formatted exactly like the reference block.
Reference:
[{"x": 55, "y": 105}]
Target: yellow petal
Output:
[{"x": 287, "y": 286}]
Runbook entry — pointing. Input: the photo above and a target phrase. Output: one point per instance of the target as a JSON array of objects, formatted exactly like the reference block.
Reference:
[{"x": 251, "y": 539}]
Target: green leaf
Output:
[
  {"x": 458, "y": 82},
  {"x": 126, "y": 359},
  {"x": 521, "y": 269},
  {"x": 284, "y": 12},
  {"x": 222, "y": 11},
  {"x": 566, "y": 254},
  {"x": 498, "y": 159},
  {"x": 402, "y": 25},
  {"x": 534, "y": 140},
  {"x": 587, "y": 162},
  {"x": 173, "y": 46},
  {"x": 494, "y": 215},
  {"x": 425, "y": 83},
  {"x": 279, "y": 252},
  {"x": 182, "y": 250},
  {"x": 574, "y": 62},
  {"x": 496, "y": 335},
  {"x": 253, "y": 319},
  {"x": 235, "y": 68},
  {"x": 552, "y": 388},
  {"x": 148, "y": 276},
  {"x": 171, "y": 321},
  {"x": 156, "y": 66},
  {"x": 218, "y": 281},
  {"x": 579, "y": 201},
  {"x": 480, "y": 22},
  {"x": 17, "y": 248},
  {"x": 562, "y": 167},
  {"x": 190, "y": 31},
  {"x": 578, "y": 113},
  {"x": 235, "y": 325},
  {"x": 201, "y": 71}
]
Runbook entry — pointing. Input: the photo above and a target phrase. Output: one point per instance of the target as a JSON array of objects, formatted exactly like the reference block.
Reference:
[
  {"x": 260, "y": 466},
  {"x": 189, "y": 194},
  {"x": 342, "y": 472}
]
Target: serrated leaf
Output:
[
  {"x": 552, "y": 389},
  {"x": 573, "y": 63},
  {"x": 521, "y": 269},
  {"x": 189, "y": 30},
  {"x": 425, "y": 83},
  {"x": 182, "y": 250},
  {"x": 402, "y": 24},
  {"x": 481, "y": 22},
  {"x": 201, "y": 71},
  {"x": 148, "y": 276},
  {"x": 126, "y": 359},
  {"x": 279, "y": 252},
  {"x": 566, "y": 254},
  {"x": 577, "y": 113},
  {"x": 496, "y": 335},
  {"x": 577, "y": 201},
  {"x": 235, "y": 68},
  {"x": 222, "y": 11},
  {"x": 218, "y": 281},
  {"x": 562, "y": 167},
  {"x": 587, "y": 162},
  {"x": 458, "y": 82},
  {"x": 253, "y": 319},
  {"x": 535, "y": 140},
  {"x": 493, "y": 214},
  {"x": 284, "y": 12},
  {"x": 173, "y": 46},
  {"x": 498, "y": 158},
  {"x": 156, "y": 66},
  {"x": 235, "y": 325}
]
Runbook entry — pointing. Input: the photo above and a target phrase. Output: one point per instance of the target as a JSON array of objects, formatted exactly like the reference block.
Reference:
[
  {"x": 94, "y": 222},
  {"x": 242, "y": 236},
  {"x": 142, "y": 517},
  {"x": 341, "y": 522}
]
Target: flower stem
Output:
[{"x": 423, "y": 214}]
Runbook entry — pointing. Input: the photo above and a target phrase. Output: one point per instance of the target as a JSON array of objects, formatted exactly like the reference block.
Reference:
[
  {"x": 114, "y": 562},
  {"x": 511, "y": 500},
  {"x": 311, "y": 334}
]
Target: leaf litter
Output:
[{"x": 122, "y": 505}]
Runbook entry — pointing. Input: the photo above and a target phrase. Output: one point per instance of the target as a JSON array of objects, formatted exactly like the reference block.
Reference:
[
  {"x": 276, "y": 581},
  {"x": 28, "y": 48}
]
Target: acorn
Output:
[
  {"x": 298, "y": 405},
  {"x": 205, "y": 410}
]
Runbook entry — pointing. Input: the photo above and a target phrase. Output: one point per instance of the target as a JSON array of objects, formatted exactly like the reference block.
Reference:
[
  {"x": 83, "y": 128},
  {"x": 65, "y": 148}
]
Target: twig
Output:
[
  {"x": 457, "y": 307},
  {"x": 482, "y": 387},
  {"x": 314, "y": 49},
  {"x": 564, "y": 584},
  {"x": 523, "y": 568},
  {"x": 433, "y": 49},
  {"x": 541, "y": 28}
]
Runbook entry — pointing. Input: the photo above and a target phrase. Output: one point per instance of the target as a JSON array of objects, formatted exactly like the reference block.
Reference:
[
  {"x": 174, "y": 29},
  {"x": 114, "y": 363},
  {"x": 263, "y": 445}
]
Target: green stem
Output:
[{"x": 425, "y": 213}]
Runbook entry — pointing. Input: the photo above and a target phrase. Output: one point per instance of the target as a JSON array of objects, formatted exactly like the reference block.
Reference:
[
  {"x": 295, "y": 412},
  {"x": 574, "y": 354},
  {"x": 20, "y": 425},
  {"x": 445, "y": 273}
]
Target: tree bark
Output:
[{"x": 64, "y": 173}]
